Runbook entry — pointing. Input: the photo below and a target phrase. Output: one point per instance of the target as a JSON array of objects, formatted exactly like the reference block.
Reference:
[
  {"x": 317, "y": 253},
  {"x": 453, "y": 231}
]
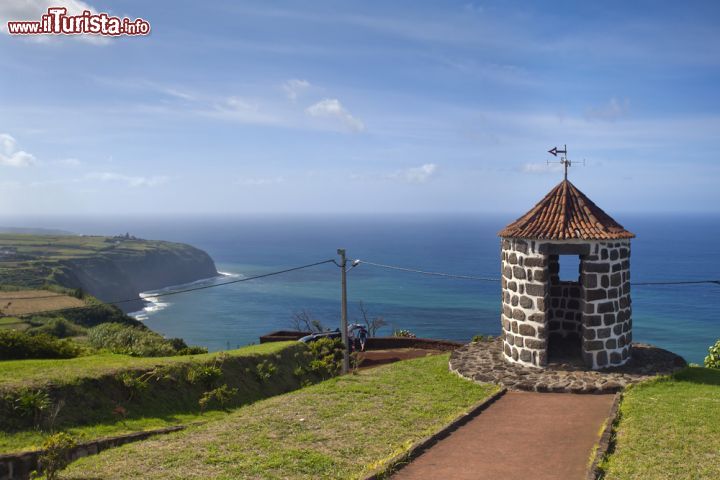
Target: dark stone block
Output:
[
  {"x": 588, "y": 358},
  {"x": 589, "y": 308},
  {"x": 507, "y": 311},
  {"x": 540, "y": 302},
  {"x": 513, "y": 259},
  {"x": 521, "y": 246},
  {"x": 537, "y": 317},
  {"x": 527, "y": 330},
  {"x": 614, "y": 255},
  {"x": 621, "y": 341},
  {"x": 514, "y": 301},
  {"x": 615, "y": 279},
  {"x": 606, "y": 307},
  {"x": 518, "y": 341},
  {"x": 539, "y": 276},
  {"x": 602, "y": 358},
  {"x": 604, "y": 254},
  {"x": 526, "y": 302},
  {"x": 589, "y": 280},
  {"x": 518, "y": 314},
  {"x": 616, "y": 267},
  {"x": 589, "y": 334},
  {"x": 604, "y": 281},
  {"x": 507, "y": 272},
  {"x": 542, "y": 358},
  {"x": 514, "y": 353},
  {"x": 564, "y": 249},
  {"x": 593, "y": 345},
  {"x": 613, "y": 293},
  {"x": 519, "y": 273},
  {"x": 574, "y": 304},
  {"x": 609, "y": 319},
  {"x": 525, "y": 355},
  {"x": 615, "y": 358},
  {"x": 535, "y": 290},
  {"x": 596, "y": 267},
  {"x": 512, "y": 286},
  {"x": 541, "y": 333},
  {"x": 514, "y": 327},
  {"x": 536, "y": 344},
  {"x": 595, "y": 294},
  {"x": 611, "y": 344},
  {"x": 536, "y": 262},
  {"x": 506, "y": 244},
  {"x": 603, "y": 332},
  {"x": 593, "y": 320},
  {"x": 618, "y": 328},
  {"x": 507, "y": 350}
]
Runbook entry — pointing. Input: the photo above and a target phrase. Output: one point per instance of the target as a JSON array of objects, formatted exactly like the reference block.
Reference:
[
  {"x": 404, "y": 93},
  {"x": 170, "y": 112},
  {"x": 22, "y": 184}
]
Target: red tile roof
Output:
[{"x": 564, "y": 214}]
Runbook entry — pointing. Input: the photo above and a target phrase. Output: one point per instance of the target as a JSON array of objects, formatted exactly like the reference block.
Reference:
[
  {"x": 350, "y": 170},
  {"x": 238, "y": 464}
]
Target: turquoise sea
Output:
[{"x": 684, "y": 319}]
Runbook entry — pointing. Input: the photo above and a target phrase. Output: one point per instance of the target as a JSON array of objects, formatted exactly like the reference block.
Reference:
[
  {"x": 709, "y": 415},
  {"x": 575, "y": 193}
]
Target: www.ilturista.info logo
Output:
[{"x": 58, "y": 22}]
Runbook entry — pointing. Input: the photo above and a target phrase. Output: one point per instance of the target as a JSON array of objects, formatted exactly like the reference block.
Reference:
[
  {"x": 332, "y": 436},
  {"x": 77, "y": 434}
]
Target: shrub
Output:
[
  {"x": 403, "y": 333},
  {"x": 28, "y": 403},
  {"x": 265, "y": 370},
  {"x": 220, "y": 396},
  {"x": 16, "y": 345},
  {"x": 327, "y": 355},
  {"x": 55, "y": 327},
  {"x": 713, "y": 358},
  {"x": 203, "y": 374},
  {"x": 56, "y": 454},
  {"x": 135, "y": 341}
]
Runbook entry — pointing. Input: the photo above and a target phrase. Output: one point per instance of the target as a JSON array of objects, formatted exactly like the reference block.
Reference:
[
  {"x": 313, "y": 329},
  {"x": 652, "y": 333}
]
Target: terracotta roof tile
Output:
[{"x": 566, "y": 213}]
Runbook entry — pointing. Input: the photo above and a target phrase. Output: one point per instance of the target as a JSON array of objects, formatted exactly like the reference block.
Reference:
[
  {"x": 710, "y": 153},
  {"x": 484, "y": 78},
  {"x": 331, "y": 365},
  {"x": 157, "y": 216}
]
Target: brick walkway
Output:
[{"x": 543, "y": 436}]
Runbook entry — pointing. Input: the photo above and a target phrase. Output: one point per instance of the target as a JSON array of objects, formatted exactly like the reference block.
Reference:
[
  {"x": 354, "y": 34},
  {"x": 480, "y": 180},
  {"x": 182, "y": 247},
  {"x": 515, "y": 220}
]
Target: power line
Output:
[
  {"x": 185, "y": 290},
  {"x": 424, "y": 272},
  {"x": 489, "y": 279}
]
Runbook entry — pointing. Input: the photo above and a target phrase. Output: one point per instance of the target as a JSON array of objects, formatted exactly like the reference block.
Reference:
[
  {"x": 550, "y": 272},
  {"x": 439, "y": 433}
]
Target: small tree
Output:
[
  {"x": 56, "y": 454},
  {"x": 304, "y": 321},
  {"x": 372, "y": 324}
]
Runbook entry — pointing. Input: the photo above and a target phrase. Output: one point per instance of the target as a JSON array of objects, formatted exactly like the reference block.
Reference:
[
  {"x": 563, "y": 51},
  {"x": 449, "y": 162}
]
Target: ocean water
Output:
[{"x": 684, "y": 319}]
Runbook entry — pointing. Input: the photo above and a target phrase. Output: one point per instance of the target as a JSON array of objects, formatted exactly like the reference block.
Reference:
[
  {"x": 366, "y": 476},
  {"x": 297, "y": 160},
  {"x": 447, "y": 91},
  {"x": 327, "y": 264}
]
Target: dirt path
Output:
[
  {"x": 373, "y": 358},
  {"x": 543, "y": 436}
]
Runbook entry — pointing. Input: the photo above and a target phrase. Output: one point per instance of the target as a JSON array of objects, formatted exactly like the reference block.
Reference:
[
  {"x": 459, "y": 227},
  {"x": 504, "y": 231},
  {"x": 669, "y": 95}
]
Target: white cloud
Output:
[
  {"x": 295, "y": 87},
  {"x": 33, "y": 10},
  {"x": 332, "y": 108},
  {"x": 421, "y": 174},
  {"x": 10, "y": 156},
  {"x": 131, "y": 181},
  {"x": 611, "y": 111}
]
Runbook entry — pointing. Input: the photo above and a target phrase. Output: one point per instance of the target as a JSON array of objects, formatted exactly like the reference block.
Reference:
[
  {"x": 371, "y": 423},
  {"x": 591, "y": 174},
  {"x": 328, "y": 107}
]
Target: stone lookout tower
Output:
[{"x": 586, "y": 318}]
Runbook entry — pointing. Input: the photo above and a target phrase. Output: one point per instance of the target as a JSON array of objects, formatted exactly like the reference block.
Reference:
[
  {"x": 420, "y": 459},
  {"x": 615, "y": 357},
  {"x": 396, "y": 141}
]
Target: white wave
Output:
[{"x": 230, "y": 274}]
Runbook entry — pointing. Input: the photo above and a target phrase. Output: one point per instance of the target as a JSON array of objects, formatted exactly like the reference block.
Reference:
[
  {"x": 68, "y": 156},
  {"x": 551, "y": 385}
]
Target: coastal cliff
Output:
[{"x": 109, "y": 268}]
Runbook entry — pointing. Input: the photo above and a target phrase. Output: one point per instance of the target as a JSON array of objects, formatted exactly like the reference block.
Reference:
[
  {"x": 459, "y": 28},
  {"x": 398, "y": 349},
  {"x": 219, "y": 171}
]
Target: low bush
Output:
[
  {"x": 404, "y": 333},
  {"x": 713, "y": 358},
  {"x": 137, "y": 341},
  {"x": 15, "y": 345},
  {"x": 57, "y": 327},
  {"x": 56, "y": 454}
]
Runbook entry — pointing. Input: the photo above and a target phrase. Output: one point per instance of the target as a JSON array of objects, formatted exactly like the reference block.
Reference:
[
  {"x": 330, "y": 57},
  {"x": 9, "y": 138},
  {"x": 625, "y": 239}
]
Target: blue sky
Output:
[{"x": 367, "y": 106}]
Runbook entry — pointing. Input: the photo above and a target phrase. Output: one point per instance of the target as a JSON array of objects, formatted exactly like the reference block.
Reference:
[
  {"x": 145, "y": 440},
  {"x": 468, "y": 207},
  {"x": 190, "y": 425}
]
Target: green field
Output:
[
  {"x": 37, "y": 373},
  {"x": 669, "y": 429},
  {"x": 340, "y": 428}
]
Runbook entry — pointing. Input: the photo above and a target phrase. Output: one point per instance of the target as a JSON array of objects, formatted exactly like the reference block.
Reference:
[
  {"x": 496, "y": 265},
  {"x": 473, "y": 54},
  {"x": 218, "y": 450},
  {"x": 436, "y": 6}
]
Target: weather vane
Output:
[{"x": 564, "y": 161}]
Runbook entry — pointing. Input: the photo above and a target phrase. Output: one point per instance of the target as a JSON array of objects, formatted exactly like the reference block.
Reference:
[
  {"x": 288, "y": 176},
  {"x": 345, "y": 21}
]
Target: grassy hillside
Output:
[
  {"x": 109, "y": 268},
  {"x": 669, "y": 428},
  {"x": 340, "y": 428}
]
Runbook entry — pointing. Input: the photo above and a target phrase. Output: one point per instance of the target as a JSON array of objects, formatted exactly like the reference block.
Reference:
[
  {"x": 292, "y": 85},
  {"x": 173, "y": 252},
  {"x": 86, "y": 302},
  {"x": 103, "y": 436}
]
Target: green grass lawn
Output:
[
  {"x": 669, "y": 429},
  {"x": 30, "y": 373},
  {"x": 340, "y": 428}
]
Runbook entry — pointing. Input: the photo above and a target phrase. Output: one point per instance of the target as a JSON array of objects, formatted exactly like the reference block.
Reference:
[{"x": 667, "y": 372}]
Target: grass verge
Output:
[
  {"x": 669, "y": 428},
  {"x": 340, "y": 428}
]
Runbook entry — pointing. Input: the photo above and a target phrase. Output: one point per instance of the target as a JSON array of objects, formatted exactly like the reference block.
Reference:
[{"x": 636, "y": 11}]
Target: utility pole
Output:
[{"x": 343, "y": 312}]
